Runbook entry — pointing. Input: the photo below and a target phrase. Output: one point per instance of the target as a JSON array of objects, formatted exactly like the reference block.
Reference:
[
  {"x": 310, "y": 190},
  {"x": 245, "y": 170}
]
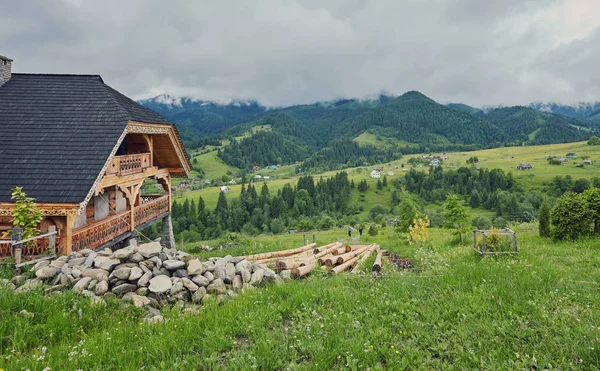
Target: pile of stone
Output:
[{"x": 149, "y": 275}]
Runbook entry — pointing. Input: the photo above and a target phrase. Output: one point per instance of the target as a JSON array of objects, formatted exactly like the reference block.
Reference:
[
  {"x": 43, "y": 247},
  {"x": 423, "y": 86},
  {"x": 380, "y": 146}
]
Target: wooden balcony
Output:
[
  {"x": 104, "y": 231},
  {"x": 129, "y": 164}
]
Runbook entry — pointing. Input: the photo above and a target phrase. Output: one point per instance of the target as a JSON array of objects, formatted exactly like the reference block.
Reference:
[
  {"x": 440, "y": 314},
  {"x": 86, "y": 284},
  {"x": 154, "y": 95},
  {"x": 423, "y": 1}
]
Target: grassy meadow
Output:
[{"x": 453, "y": 310}]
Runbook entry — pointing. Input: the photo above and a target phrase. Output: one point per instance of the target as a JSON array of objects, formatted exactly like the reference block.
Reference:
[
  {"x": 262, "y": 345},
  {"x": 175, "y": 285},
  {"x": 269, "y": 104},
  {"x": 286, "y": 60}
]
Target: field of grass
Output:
[
  {"x": 379, "y": 141},
  {"x": 454, "y": 310},
  {"x": 213, "y": 166}
]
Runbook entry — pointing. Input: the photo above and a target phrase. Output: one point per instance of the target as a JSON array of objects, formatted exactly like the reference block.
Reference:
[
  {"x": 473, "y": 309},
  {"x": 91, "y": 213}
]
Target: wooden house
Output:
[
  {"x": 571, "y": 155},
  {"x": 83, "y": 151},
  {"x": 524, "y": 166}
]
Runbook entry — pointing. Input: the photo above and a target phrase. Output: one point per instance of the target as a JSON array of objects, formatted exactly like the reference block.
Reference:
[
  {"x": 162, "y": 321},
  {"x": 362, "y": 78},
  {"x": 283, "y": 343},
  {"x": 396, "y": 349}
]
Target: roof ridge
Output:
[
  {"x": 115, "y": 94},
  {"x": 58, "y": 74}
]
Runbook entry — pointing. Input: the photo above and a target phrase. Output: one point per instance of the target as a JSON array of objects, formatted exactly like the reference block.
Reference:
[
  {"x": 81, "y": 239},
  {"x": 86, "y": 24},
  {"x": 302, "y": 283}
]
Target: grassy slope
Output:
[
  {"x": 492, "y": 158},
  {"x": 453, "y": 311}
]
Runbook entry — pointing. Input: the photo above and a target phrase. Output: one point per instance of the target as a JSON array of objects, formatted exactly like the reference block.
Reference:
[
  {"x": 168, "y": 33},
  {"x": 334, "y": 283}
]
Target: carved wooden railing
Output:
[
  {"x": 34, "y": 248},
  {"x": 152, "y": 206},
  {"x": 129, "y": 164},
  {"x": 96, "y": 234}
]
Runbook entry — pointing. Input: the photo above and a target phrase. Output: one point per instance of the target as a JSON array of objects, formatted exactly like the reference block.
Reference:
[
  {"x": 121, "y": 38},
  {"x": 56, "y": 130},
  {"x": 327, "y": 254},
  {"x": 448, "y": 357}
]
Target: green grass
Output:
[
  {"x": 379, "y": 141},
  {"x": 454, "y": 310},
  {"x": 213, "y": 166}
]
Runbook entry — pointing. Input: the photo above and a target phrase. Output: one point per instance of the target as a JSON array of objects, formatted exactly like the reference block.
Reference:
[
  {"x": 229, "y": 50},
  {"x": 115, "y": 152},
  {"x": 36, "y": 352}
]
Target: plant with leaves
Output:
[
  {"x": 373, "y": 231},
  {"x": 544, "y": 219},
  {"x": 592, "y": 197},
  {"x": 26, "y": 214},
  {"x": 456, "y": 215},
  {"x": 408, "y": 211},
  {"x": 419, "y": 231},
  {"x": 571, "y": 218}
]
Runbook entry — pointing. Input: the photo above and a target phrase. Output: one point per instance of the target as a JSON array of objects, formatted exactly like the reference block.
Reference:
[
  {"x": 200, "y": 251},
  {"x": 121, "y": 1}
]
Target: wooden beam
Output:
[
  {"x": 69, "y": 234},
  {"x": 128, "y": 180}
]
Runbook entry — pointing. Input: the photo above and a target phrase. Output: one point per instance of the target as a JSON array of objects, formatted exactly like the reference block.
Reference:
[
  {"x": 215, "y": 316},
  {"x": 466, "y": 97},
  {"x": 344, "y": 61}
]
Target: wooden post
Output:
[
  {"x": 69, "y": 234},
  {"x": 52, "y": 240},
  {"x": 482, "y": 243},
  {"x": 15, "y": 236},
  {"x": 475, "y": 239},
  {"x": 305, "y": 239},
  {"x": 515, "y": 242},
  {"x": 314, "y": 240}
]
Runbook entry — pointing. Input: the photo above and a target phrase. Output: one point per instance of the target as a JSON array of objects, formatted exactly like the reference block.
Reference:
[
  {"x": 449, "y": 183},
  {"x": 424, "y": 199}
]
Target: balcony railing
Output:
[
  {"x": 129, "y": 164},
  {"x": 105, "y": 230},
  {"x": 151, "y": 208}
]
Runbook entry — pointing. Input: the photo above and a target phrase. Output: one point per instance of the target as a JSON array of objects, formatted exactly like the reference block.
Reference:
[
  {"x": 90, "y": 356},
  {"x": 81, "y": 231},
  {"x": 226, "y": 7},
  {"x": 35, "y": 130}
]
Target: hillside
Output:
[
  {"x": 324, "y": 135},
  {"x": 588, "y": 111}
]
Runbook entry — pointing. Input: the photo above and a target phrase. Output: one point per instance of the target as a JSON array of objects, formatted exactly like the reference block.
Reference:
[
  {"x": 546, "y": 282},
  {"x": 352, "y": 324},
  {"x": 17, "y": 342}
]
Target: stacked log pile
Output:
[{"x": 334, "y": 258}]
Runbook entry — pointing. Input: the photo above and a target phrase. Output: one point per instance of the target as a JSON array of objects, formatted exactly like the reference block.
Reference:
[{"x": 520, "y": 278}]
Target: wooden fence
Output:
[{"x": 17, "y": 246}]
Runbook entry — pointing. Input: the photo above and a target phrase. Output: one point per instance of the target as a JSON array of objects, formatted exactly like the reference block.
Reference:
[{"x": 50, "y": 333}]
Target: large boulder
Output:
[
  {"x": 135, "y": 274},
  {"x": 145, "y": 279},
  {"x": 217, "y": 287},
  {"x": 76, "y": 262},
  {"x": 149, "y": 250},
  {"x": 46, "y": 272},
  {"x": 82, "y": 284},
  {"x": 257, "y": 277},
  {"x": 89, "y": 260},
  {"x": 189, "y": 284},
  {"x": 122, "y": 273},
  {"x": 198, "y": 295},
  {"x": 160, "y": 284},
  {"x": 195, "y": 267},
  {"x": 200, "y": 280},
  {"x": 124, "y": 253},
  {"x": 93, "y": 272},
  {"x": 108, "y": 264},
  {"x": 209, "y": 276},
  {"x": 101, "y": 287},
  {"x": 173, "y": 264},
  {"x": 123, "y": 289}
]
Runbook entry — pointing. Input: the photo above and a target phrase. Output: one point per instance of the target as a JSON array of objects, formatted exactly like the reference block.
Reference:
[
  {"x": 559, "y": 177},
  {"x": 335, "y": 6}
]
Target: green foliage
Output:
[
  {"x": 594, "y": 141},
  {"x": 472, "y": 160},
  {"x": 26, "y": 214},
  {"x": 481, "y": 222},
  {"x": 456, "y": 214},
  {"x": 592, "y": 197},
  {"x": 544, "y": 219},
  {"x": 408, "y": 211},
  {"x": 571, "y": 217},
  {"x": 373, "y": 230},
  {"x": 377, "y": 210},
  {"x": 305, "y": 224},
  {"x": 554, "y": 161},
  {"x": 499, "y": 223},
  {"x": 326, "y": 223},
  {"x": 276, "y": 226}
]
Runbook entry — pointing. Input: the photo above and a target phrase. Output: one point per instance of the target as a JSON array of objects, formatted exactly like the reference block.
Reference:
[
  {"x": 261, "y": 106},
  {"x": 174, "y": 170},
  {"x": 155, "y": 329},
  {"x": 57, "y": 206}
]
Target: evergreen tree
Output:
[
  {"x": 385, "y": 181},
  {"x": 379, "y": 184},
  {"x": 544, "y": 219}
]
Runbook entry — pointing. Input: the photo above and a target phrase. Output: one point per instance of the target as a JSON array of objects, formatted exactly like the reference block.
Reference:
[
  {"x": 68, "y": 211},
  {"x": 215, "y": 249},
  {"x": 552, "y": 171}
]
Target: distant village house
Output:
[
  {"x": 225, "y": 189},
  {"x": 524, "y": 166}
]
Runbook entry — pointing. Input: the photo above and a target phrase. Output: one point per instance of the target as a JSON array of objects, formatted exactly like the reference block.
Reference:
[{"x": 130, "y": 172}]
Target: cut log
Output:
[
  {"x": 344, "y": 266},
  {"x": 342, "y": 250},
  {"x": 328, "y": 251},
  {"x": 326, "y": 247},
  {"x": 349, "y": 255},
  {"x": 302, "y": 271},
  {"x": 280, "y": 254},
  {"x": 333, "y": 260},
  {"x": 294, "y": 263},
  {"x": 377, "y": 264},
  {"x": 364, "y": 258}
]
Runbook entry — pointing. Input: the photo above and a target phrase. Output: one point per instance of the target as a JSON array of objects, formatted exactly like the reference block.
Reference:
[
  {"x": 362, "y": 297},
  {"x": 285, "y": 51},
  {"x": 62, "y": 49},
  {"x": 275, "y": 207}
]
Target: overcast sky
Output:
[{"x": 283, "y": 52}]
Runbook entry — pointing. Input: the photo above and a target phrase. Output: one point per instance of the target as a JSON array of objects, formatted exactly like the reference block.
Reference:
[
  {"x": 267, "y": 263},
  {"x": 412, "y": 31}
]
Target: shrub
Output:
[
  {"x": 419, "y": 231},
  {"x": 481, "y": 222},
  {"x": 571, "y": 218},
  {"x": 500, "y": 222},
  {"x": 544, "y": 218},
  {"x": 326, "y": 222},
  {"x": 376, "y": 211},
  {"x": 373, "y": 231},
  {"x": 305, "y": 224},
  {"x": 26, "y": 214},
  {"x": 276, "y": 226}
]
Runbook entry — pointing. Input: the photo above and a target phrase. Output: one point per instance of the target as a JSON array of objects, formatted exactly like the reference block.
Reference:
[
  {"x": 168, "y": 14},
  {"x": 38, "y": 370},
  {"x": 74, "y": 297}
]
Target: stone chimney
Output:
[{"x": 5, "y": 69}]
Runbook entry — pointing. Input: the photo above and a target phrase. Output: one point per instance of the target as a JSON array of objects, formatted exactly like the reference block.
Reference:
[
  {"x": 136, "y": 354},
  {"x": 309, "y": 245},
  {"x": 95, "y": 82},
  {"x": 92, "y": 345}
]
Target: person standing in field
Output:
[
  {"x": 349, "y": 231},
  {"x": 360, "y": 229}
]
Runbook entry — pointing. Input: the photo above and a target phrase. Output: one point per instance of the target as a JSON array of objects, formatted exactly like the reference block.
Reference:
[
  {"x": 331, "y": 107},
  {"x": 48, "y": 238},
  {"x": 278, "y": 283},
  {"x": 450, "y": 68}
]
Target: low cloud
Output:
[{"x": 301, "y": 51}]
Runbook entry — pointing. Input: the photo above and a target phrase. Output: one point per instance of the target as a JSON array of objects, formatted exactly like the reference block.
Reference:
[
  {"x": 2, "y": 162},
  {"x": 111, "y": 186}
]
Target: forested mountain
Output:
[
  {"x": 588, "y": 111},
  {"x": 535, "y": 127},
  {"x": 201, "y": 118},
  {"x": 322, "y": 134}
]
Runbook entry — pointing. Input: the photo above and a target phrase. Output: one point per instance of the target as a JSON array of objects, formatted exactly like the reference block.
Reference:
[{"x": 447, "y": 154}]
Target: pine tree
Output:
[
  {"x": 544, "y": 219},
  {"x": 385, "y": 181},
  {"x": 455, "y": 214}
]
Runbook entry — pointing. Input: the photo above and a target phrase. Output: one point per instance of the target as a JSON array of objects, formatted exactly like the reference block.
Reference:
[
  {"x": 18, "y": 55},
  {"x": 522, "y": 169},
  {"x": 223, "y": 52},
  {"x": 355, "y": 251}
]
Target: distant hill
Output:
[
  {"x": 322, "y": 135},
  {"x": 589, "y": 111},
  {"x": 201, "y": 117}
]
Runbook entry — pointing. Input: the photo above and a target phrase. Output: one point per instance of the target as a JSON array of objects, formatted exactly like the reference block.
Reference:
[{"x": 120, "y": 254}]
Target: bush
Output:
[
  {"x": 305, "y": 224},
  {"x": 571, "y": 218},
  {"x": 500, "y": 223},
  {"x": 544, "y": 218},
  {"x": 276, "y": 226},
  {"x": 481, "y": 222},
  {"x": 376, "y": 211},
  {"x": 373, "y": 231},
  {"x": 326, "y": 222}
]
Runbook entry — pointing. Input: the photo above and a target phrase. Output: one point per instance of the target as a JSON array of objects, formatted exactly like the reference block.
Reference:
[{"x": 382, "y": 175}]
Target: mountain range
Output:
[{"x": 408, "y": 123}]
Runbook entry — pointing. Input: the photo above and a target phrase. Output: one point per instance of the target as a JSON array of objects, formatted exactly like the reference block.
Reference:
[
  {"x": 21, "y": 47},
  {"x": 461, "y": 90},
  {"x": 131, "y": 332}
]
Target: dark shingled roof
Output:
[{"x": 57, "y": 132}]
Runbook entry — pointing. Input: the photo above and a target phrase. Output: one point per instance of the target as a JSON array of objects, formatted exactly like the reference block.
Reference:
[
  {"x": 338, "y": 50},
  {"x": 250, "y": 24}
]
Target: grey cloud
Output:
[{"x": 300, "y": 51}]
